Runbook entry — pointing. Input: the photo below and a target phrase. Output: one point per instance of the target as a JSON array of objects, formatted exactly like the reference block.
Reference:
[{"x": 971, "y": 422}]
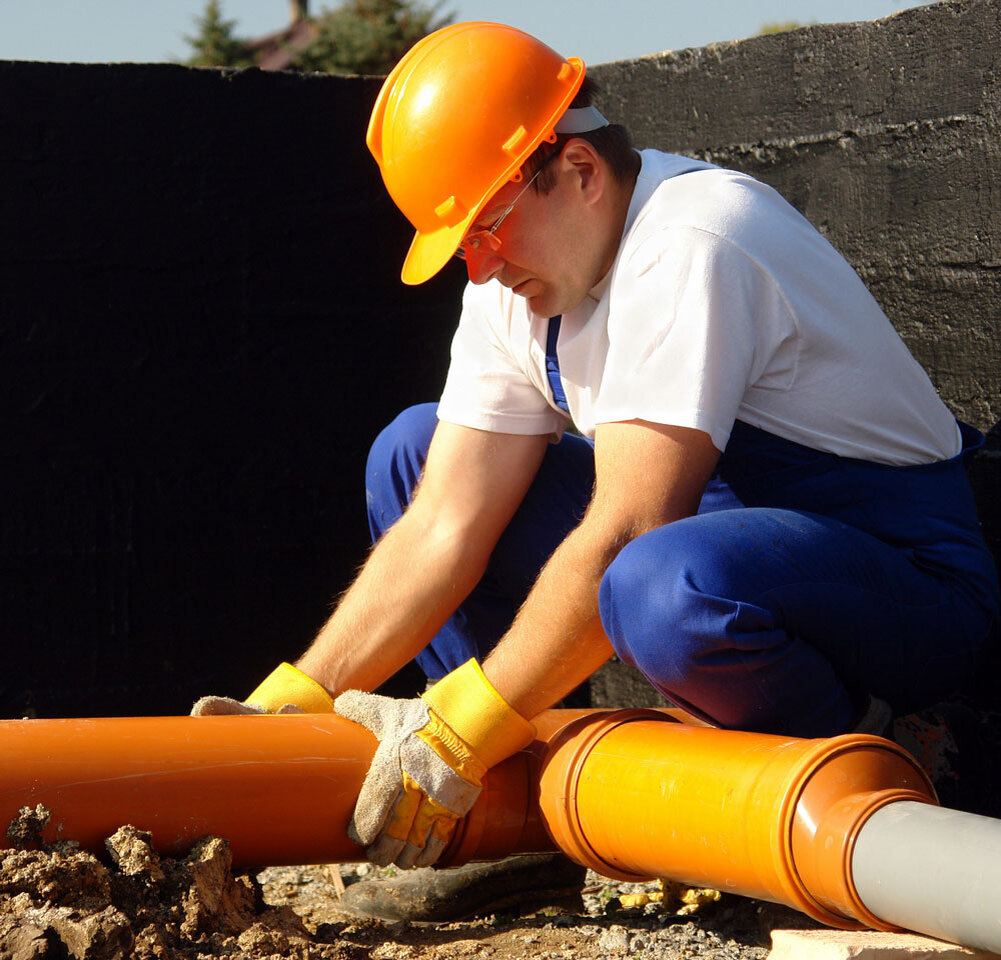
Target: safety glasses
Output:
[{"x": 480, "y": 239}]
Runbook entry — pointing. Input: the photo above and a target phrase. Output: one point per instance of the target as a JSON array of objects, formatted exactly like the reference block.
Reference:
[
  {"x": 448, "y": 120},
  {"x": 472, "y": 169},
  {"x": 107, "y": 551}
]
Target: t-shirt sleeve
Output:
[
  {"x": 486, "y": 387},
  {"x": 693, "y": 323}
]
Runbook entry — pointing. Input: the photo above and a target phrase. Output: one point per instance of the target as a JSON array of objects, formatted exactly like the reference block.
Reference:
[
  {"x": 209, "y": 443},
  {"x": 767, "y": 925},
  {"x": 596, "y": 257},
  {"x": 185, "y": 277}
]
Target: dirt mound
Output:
[{"x": 60, "y": 901}]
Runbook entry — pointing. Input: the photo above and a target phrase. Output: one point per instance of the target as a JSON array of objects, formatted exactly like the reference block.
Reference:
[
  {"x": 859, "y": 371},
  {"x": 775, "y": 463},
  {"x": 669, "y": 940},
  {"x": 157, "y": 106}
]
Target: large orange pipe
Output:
[
  {"x": 280, "y": 788},
  {"x": 629, "y": 793}
]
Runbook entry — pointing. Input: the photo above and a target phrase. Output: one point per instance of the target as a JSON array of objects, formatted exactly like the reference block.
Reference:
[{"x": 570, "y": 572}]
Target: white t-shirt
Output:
[{"x": 723, "y": 303}]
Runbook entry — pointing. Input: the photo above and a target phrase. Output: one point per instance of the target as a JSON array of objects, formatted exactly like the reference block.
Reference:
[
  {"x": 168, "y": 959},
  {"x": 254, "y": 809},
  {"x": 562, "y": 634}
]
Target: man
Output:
[{"x": 765, "y": 510}]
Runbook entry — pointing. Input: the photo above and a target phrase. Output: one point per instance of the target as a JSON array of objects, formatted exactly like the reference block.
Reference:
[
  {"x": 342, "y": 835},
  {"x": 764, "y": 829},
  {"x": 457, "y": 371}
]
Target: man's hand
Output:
[
  {"x": 428, "y": 769},
  {"x": 284, "y": 690}
]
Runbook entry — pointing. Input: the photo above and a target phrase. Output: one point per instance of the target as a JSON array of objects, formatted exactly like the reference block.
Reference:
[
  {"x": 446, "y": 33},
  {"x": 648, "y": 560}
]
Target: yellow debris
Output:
[
  {"x": 694, "y": 898},
  {"x": 640, "y": 899},
  {"x": 683, "y": 901}
]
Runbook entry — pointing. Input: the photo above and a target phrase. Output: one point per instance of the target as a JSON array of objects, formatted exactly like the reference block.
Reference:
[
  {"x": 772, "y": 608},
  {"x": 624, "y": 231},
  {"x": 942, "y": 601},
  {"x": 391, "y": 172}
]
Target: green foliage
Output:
[
  {"x": 368, "y": 36},
  {"x": 359, "y": 36},
  {"x": 782, "y": 27},
  {"x": 215, "y": 44}
]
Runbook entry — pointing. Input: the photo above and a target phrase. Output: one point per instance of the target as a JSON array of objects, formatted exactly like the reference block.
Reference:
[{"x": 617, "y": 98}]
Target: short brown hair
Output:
[{"x": 612, "y": 143}]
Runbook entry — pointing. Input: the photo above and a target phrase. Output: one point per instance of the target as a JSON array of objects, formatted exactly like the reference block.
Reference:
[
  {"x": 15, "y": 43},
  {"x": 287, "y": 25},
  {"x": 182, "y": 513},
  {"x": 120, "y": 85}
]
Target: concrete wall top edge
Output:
[
  {"x": 917, "y": 16},
  {"x": 937, "y": 61}
]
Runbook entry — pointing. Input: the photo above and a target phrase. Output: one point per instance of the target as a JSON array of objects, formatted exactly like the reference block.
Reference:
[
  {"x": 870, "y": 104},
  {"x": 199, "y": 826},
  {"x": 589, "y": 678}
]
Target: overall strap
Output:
[{"x": 553, "y": 364}]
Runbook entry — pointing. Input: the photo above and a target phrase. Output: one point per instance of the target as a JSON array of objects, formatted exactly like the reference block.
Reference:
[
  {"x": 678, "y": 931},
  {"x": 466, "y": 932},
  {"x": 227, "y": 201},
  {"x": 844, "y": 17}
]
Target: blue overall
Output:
[{"x": 805, "y": 582}]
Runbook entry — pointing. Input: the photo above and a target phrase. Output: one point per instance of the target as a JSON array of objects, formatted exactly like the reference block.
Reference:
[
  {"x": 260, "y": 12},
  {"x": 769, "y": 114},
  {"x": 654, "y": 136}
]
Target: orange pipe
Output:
[
  {"x": 628, "y": 793},
  {"x": 776, "y": 818},
  {"x": 280, "y": 788}
]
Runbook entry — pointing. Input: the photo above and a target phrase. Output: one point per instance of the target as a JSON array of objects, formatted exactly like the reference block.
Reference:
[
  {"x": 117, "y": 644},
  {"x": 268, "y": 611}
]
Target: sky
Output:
[{"x": 599, "y": 31}]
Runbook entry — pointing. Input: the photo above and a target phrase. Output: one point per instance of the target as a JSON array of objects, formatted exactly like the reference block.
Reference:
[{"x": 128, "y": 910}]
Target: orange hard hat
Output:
[{"x": 455, "y": 121}]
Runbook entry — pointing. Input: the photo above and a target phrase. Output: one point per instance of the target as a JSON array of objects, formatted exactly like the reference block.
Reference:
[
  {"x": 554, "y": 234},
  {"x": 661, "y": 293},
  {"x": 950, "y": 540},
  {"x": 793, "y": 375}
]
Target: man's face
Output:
[{"x": 547, "y": 250}]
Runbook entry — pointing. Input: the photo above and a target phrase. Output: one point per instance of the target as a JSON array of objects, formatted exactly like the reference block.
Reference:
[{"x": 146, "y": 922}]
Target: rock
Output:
[
  {"x": 77, "y": 879},
  {"x": 133, "y": 853},
  {"x": 28, "y": 931},
  {"x": 864, "y": 945},
  {"x": 97, "y": 936},
  {"x": 24, "y": 941},
  {"x": 615, "y": 939},
  {"x": 26, "y": 828}
]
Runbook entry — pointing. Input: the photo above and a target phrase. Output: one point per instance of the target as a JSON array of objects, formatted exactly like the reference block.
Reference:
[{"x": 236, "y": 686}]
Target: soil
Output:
[{"x": 58, "y": 901}]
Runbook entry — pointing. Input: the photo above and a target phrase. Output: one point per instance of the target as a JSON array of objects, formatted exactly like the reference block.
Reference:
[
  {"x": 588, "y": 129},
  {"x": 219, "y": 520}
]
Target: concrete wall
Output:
[
  {"x": 203, "y": 325},
  {"x": 887, "y": 136}
]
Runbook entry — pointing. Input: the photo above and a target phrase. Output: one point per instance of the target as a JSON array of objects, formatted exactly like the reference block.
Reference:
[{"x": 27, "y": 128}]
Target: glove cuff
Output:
[
  {"x": 286, "y": 684},
  {"x": 468, "y": 703}
]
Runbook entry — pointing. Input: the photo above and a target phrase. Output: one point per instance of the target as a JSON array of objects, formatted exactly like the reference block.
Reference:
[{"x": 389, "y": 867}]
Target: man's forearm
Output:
[
  {"x": 556, "y": 642},
  {"x": 429, "y": 560},
  {"x": 647, "y": 475},
  {"x": 393, "y": 608}
]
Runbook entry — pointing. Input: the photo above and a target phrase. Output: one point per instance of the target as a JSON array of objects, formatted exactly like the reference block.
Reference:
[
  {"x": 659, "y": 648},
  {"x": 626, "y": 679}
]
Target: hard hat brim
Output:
[{"x": 429, "y": 252}]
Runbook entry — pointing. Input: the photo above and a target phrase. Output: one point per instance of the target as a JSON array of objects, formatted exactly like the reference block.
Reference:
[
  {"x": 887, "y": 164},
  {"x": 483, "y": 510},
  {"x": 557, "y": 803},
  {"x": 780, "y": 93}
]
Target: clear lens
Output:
[{"x": 477, "y": 239}]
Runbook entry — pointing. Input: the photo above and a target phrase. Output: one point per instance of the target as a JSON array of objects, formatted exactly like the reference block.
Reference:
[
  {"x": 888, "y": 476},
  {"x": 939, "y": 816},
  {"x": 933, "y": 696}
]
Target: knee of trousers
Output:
[
  {"x": 667, "y": 603},
  {"x": 397, "y": 456},
  {"x": 403, "y": 442}
]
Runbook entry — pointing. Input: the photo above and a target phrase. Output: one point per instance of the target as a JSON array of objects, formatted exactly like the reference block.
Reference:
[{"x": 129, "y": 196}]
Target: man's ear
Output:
[{"x": 588, "y": 167}]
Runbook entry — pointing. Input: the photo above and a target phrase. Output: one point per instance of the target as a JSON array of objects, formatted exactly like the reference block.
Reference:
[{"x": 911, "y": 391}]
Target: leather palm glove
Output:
[
  {"x": 428, "y": 769},
  {"x": 284, "y": 690}
]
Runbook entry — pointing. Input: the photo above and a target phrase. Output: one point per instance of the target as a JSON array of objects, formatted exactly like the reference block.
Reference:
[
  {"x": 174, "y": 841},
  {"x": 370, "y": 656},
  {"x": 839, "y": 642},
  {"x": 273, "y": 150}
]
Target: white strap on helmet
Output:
[{"x": 580, "y": 120}]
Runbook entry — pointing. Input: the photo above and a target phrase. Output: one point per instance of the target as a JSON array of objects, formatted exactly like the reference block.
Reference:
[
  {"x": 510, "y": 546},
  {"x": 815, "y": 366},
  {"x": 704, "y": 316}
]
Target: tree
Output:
[
  {"x": 359, "y": 36},
  {"x": 215, "y": 44},
  {"x": 368, "y": 36}
]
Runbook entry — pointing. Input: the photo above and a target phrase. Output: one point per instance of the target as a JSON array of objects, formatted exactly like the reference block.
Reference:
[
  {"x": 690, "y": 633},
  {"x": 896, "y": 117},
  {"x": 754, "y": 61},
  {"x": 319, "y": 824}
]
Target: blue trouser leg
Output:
[
  {"x": 551, "y": 509},
  {"x": 779, "y": 621},
  {"x": 756, "y": 617}
]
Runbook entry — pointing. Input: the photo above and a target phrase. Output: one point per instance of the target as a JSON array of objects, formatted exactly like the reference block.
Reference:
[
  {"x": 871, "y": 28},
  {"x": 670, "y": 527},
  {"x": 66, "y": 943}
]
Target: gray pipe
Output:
[{"x": 932, "y": 870}]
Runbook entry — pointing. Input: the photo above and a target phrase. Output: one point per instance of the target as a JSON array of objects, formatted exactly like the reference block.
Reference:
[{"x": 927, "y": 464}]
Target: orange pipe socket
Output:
[
  {"x": 629, "y": 793},
  {"x": 776, "y": 818}
]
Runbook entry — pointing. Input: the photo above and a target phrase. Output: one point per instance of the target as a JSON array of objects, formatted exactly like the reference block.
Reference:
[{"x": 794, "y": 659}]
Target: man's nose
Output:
[{"x": 483, "y": 263}]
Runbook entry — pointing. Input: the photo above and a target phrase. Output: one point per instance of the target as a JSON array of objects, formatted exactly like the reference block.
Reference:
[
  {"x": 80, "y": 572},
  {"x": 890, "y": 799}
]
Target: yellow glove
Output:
[
  {"x": 428, "y": 769},
  {"x": 284, "y": 690}
]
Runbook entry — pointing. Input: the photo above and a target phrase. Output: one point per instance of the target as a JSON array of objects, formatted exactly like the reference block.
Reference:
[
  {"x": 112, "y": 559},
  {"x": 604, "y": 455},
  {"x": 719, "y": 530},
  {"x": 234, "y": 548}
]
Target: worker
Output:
[{"x": 676, "y": 427}]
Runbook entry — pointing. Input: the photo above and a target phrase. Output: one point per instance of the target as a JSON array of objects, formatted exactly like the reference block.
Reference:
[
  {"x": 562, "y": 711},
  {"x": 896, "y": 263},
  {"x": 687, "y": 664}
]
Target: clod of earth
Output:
[{"x": 58, "y": 900}]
